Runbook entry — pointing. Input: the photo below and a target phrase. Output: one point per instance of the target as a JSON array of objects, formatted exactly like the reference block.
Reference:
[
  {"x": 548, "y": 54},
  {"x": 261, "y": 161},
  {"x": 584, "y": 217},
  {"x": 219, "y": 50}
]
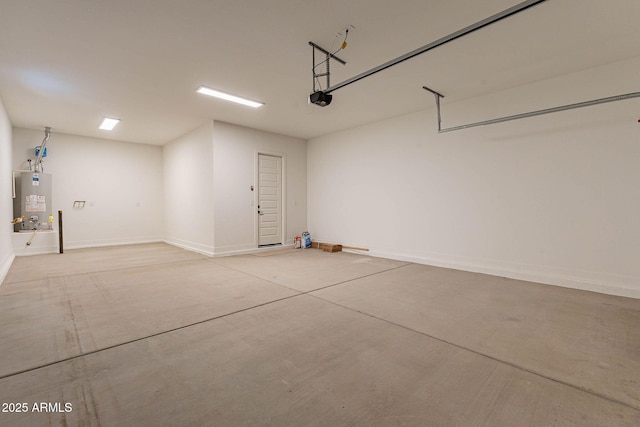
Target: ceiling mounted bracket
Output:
[
  {"x": 614, "y": 98},
  {"x": 327, "y": 61},
  {"x": 438, "y": 96}
]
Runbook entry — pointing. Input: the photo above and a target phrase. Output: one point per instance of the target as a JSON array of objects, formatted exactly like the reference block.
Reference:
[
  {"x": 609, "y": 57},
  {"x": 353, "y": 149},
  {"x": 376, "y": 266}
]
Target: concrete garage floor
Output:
[{"x": 155, "y": 335}]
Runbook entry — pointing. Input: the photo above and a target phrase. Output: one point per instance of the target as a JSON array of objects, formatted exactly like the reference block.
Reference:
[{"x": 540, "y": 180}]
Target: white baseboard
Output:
[
  {"x": 222, "y": 252},
  {"x": 5, "y": 265},
  {"x": 234, "y": 249},
  {"x": 108, "y": 242},
  {"x": 47, "y": 243},
  {"x": 190, "y": 246},
  {"x": 43, "y": 242},
  {"x": 588, "y": 281}
]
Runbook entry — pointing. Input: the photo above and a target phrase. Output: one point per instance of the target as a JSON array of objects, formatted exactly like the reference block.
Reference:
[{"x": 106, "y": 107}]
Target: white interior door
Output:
[{"x": 269, "y": 200}]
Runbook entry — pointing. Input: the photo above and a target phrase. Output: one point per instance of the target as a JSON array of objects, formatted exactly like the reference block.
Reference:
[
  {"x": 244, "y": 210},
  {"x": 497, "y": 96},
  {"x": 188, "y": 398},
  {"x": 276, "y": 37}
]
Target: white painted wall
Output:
[
  {"x": 120, "y": 182},
  {"x": 235, "y": 171},
  {"x": 188, "y": 190},
  {"x": 6, "y": 208},
  {"x": 552, "y": 199}
]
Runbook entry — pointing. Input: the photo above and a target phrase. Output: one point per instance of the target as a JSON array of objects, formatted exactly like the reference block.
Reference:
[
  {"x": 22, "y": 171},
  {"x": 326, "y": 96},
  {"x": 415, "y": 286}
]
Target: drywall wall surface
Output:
[
  {"x": 120, "y": 184},
  {"x": 235, "y": 167},
  {"x": 6, "y": 209},
  {"x": 552, "y": 199},
  {"x": 188, "y": 190}
]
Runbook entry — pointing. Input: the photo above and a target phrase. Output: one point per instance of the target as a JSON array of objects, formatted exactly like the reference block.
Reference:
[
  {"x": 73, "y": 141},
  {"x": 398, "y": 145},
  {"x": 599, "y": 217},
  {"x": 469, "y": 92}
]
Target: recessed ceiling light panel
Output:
[
  {"x": 108, "y": 123},
  {"x": 216, "y": 93}
]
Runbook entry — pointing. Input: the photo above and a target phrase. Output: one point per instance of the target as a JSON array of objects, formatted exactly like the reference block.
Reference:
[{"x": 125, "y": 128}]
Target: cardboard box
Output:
[{"x": 328, "y": 247}]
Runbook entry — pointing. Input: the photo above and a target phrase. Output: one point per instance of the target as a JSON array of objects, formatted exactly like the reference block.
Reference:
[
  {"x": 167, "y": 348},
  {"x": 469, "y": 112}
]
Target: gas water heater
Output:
[{"x": 33, "y": 194}]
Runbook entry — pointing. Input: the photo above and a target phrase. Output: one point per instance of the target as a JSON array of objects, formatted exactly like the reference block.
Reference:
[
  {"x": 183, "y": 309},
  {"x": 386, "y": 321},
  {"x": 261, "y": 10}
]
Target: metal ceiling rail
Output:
[
  {"x": 446, "y": 39},
  {"x": 530, "y": 113}
]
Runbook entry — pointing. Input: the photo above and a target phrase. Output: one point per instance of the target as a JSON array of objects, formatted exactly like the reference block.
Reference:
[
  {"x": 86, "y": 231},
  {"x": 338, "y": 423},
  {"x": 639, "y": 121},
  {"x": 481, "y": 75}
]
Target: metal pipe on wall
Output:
[
  {"x": 47, "y": 135},
  {"x": 13, "y": 176},
  {"x": 60, "y": 241}
]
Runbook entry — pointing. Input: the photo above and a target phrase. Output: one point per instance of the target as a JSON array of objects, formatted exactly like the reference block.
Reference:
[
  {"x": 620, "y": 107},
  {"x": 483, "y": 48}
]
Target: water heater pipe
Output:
[
  {"x": 47, "y": 135},
  {"x": 32, "y": 237},
  {"x": 13, "y": 181}
]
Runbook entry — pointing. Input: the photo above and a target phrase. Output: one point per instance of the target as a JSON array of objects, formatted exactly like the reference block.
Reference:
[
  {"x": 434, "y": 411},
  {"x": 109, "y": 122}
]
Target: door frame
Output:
[{"x": 283, "y": 192}]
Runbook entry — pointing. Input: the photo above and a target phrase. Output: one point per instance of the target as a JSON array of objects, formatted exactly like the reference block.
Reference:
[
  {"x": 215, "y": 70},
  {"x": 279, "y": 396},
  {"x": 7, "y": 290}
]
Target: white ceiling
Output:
[{"x": 68, "y": 63}]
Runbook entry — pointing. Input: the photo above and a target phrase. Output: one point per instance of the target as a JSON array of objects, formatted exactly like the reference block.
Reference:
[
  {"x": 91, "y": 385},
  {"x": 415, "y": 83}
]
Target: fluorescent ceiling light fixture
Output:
[
  {"x": 109, "y": 124},
  {"x": 211, "y": 92}
]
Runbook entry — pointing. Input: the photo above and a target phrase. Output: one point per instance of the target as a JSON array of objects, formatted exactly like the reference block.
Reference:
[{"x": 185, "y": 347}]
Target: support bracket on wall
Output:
[{"x": 438, "y": 96}]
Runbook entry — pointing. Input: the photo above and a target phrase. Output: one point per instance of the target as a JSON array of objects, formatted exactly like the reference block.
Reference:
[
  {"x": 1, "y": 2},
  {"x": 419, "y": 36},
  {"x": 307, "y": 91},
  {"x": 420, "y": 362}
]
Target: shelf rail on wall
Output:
[{"x": 438, "y": 96}]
